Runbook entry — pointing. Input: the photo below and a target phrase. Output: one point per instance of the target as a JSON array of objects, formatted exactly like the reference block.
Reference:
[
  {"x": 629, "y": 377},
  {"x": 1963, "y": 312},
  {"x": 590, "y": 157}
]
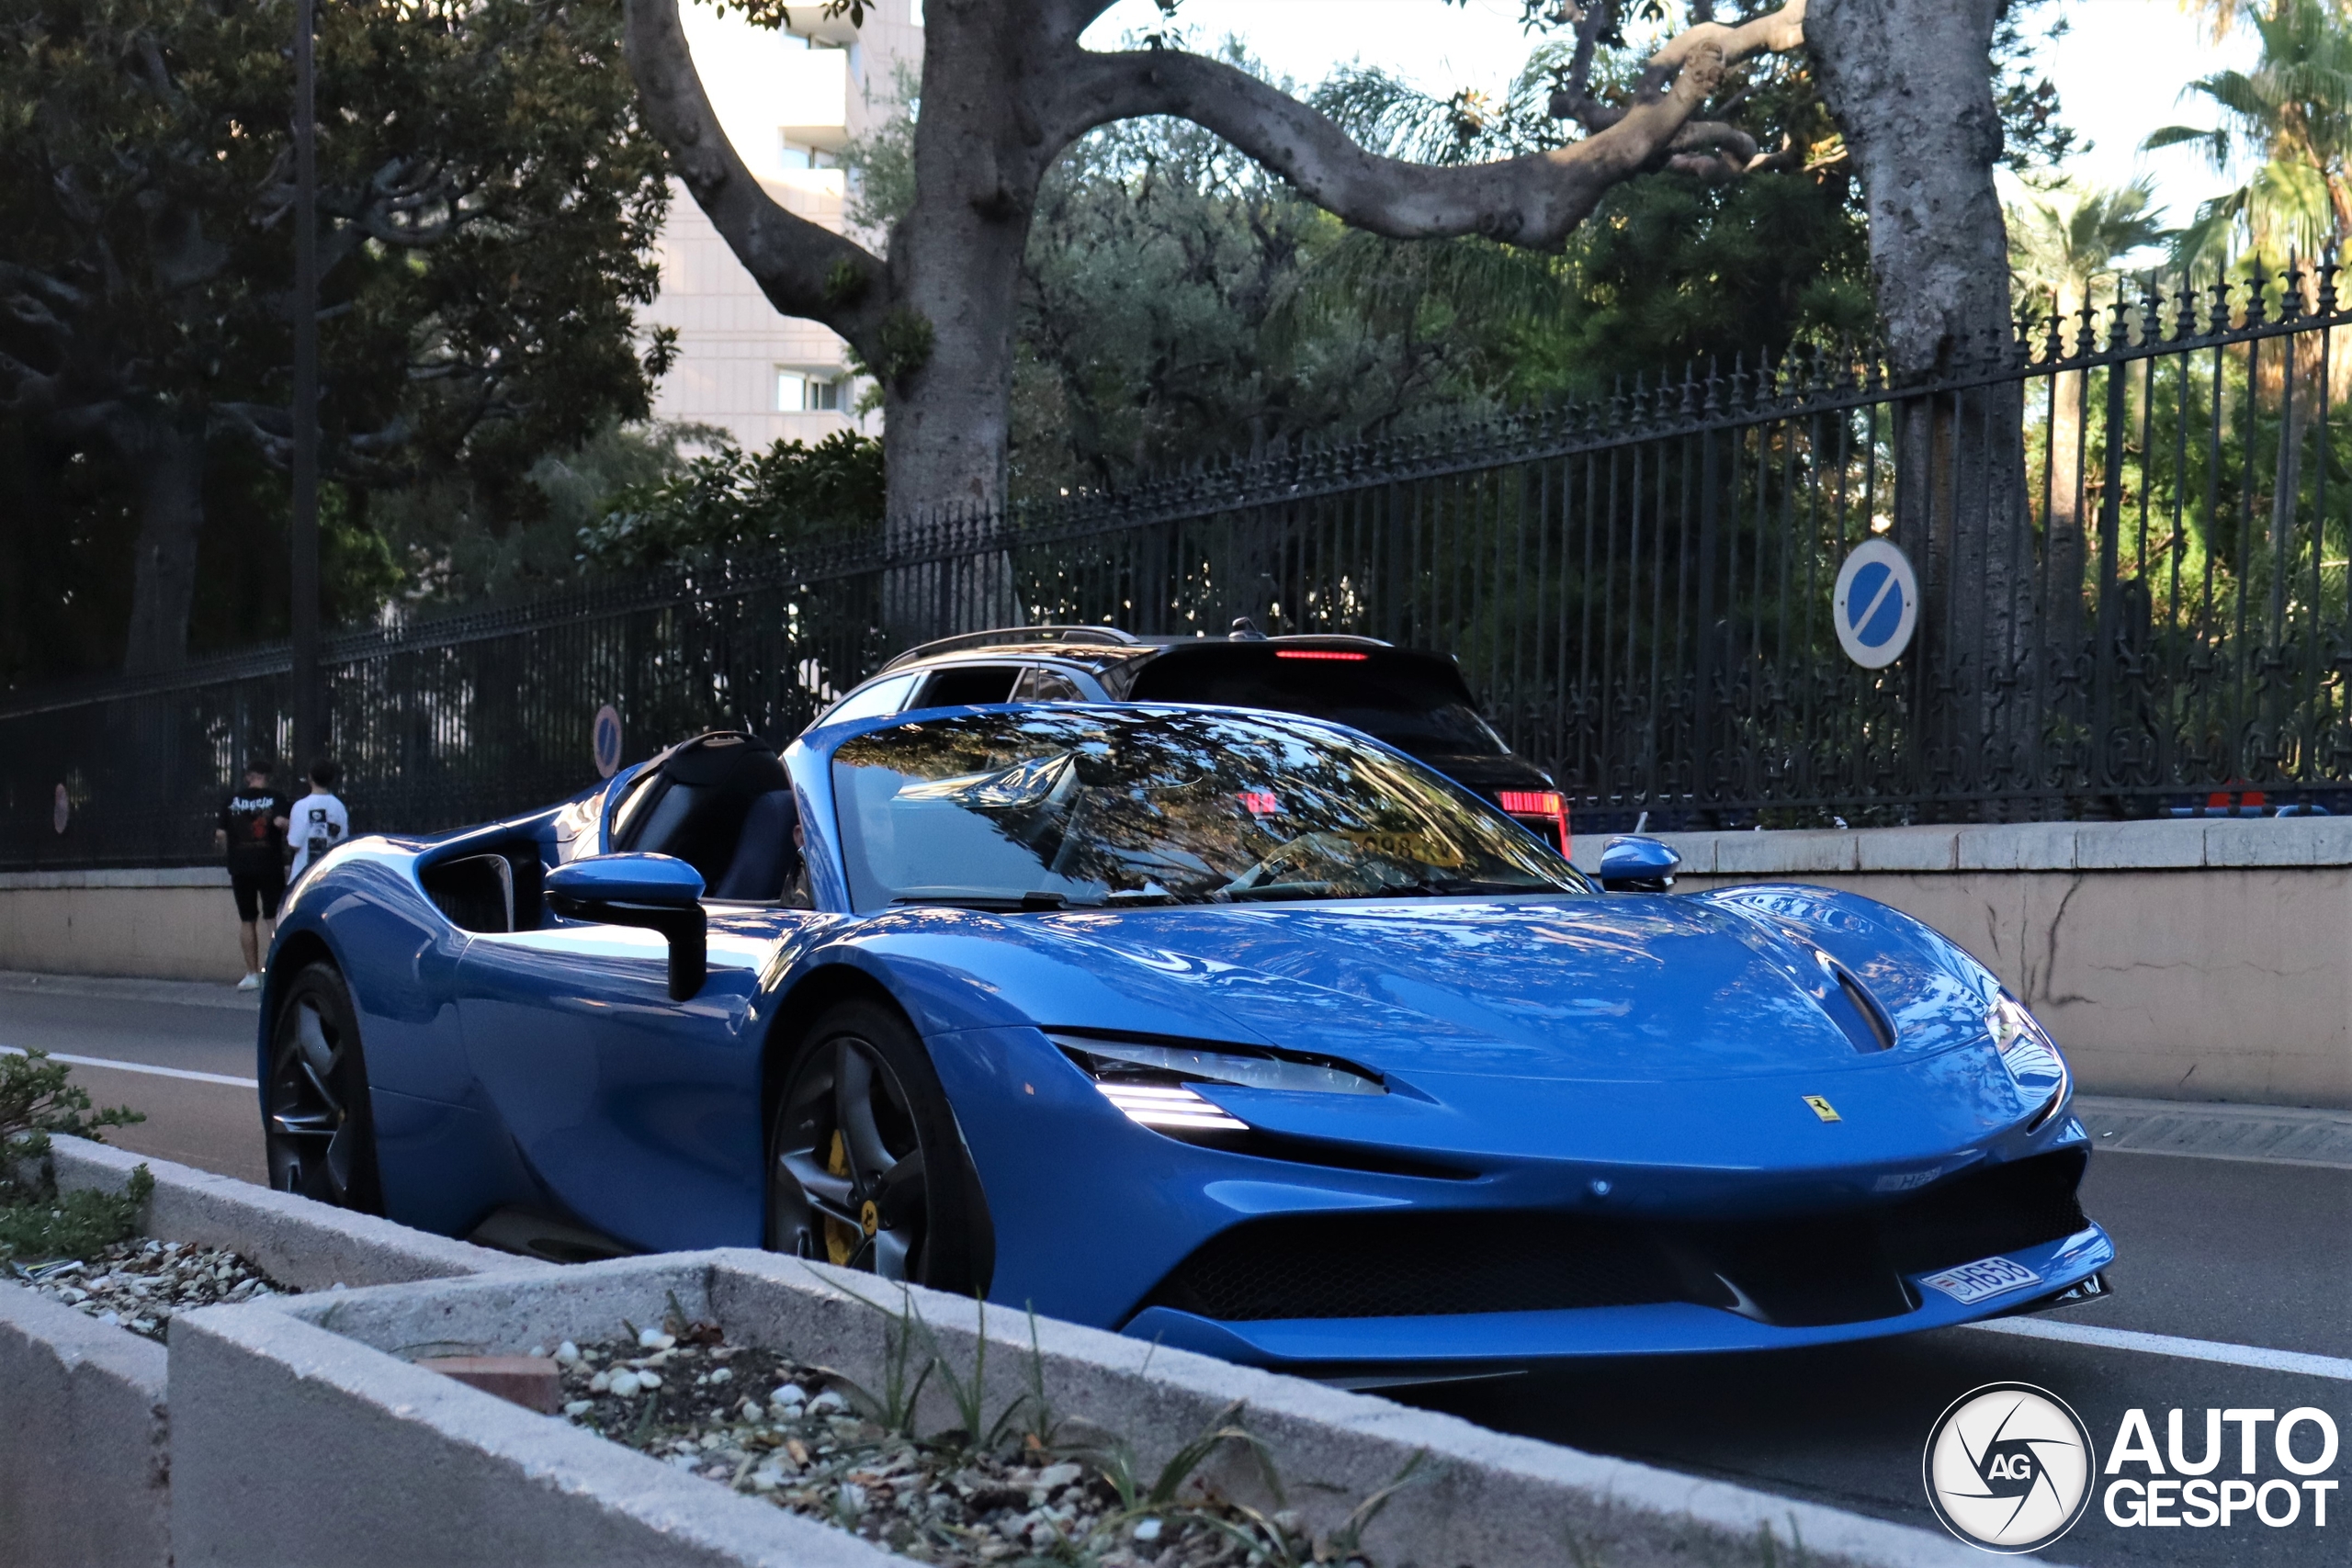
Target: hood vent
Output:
[{"x": 1855, "y": 1009}]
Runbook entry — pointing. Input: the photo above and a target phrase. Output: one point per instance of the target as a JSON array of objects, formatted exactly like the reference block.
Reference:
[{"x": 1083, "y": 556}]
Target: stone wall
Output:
[{"x": 176, "y": 923}]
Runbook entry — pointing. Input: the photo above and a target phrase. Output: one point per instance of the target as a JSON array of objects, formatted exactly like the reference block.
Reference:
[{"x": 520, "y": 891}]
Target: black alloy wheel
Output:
[
  {"x": 866, "y": 1167},
  {"x": 315, "y": 1121}
]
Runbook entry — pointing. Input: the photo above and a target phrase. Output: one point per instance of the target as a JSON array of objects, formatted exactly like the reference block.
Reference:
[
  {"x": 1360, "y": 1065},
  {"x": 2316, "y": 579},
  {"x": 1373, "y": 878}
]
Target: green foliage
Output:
[
  {"x": 2064, "y": 244},
  {"x": 489, "y": 203},
  {"x": 38, "y": 1224},
  {"x": 1176, "y": 307},
  {"x": 2035, "y": 142},
  {"x": 455, "y": 541},
  {"x": 37, "y": 1102},
  {"x": 728, "y": 501},
  {"x": 39, "y": 1099},
  {"x": 906, "y": 338},
  {"x": 1672, "y": 270}
]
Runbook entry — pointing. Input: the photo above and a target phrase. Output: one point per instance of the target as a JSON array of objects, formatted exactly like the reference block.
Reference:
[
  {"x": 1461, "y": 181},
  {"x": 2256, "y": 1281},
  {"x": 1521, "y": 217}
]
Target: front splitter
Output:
[{"x": 1470, "y": 1343}]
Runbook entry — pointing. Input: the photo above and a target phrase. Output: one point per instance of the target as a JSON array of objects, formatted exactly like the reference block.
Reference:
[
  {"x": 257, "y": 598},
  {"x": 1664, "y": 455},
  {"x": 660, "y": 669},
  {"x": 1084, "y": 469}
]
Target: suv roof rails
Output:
[{"x": 1005, "y": 635}]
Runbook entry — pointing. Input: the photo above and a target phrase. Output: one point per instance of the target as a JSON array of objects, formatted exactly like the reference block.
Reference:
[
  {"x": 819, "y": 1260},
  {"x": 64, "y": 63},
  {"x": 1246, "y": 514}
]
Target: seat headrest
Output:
[{"x": 726, "y": 759}]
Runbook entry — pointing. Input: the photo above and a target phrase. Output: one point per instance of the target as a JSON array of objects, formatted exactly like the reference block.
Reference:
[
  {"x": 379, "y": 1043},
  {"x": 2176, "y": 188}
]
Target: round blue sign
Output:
[
  {"x": 606, "y": 734},
  {"x": 1875, "y": 606}
]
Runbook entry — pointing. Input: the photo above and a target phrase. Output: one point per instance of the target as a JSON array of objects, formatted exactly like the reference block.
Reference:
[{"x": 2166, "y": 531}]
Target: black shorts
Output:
[{"x": 255, "y": 892}]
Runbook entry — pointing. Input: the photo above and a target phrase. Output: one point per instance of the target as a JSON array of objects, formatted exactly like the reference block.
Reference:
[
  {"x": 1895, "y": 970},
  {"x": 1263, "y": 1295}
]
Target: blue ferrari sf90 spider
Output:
[{"x": 1240, "y": 1032}]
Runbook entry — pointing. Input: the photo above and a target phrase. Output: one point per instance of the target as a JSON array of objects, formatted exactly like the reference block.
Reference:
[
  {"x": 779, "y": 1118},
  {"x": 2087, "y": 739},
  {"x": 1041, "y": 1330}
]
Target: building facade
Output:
[{"x": 790, "y": 100}]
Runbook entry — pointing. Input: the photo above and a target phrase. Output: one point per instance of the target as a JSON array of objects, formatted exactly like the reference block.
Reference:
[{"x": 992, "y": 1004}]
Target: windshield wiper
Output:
[
  {"x": 976, "y": 899},
  {"x": 1453, "y": 887}
]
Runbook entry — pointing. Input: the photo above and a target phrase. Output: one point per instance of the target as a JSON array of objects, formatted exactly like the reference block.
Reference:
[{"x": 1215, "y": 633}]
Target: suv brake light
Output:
[{"x": 1549, "y": 805}]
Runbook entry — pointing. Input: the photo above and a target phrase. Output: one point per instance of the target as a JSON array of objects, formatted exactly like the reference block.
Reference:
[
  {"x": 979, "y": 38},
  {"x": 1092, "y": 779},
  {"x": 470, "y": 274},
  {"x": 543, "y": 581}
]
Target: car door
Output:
[{"x": 639, "y": 1113}]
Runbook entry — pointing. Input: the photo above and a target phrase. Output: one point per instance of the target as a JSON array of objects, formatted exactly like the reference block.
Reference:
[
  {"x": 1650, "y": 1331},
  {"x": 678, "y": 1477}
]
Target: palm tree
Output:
[
  {"x": 2292, "y": 112},
  {"x": 2062, "y": 250}
]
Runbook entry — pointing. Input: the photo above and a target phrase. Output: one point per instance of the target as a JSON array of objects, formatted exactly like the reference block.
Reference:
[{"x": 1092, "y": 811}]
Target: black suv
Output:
[{"x": 1416, "y": 701}]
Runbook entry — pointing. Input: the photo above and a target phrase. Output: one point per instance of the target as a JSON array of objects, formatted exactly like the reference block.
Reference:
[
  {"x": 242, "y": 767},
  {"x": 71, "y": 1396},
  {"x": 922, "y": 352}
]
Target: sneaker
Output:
[{"x": 250, "y": 983}]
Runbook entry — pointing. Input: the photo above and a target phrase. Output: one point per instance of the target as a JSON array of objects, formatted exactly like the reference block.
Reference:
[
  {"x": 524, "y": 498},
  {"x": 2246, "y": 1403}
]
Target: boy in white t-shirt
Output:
[{"x": 318, "y": 822}]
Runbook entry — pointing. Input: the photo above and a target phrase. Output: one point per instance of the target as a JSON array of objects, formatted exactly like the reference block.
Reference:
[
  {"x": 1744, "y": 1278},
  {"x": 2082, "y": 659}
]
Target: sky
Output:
[{"x": 2118, "y": 70}]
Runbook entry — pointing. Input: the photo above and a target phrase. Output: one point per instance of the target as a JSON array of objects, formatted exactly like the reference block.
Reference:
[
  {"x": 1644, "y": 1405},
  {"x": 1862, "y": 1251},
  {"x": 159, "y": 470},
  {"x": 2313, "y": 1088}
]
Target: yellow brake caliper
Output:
[{"x": 842, "y": 1241}]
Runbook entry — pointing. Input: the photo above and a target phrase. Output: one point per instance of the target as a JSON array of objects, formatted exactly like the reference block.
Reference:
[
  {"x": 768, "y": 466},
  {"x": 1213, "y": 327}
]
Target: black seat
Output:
[
  {"x": 765, "y": 857},
  {"x": 722, "y": 803}
]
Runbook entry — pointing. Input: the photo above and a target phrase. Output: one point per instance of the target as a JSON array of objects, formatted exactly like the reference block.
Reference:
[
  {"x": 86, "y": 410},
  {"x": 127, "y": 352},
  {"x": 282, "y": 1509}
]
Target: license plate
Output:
[{"x": 1975, "y": 1282}]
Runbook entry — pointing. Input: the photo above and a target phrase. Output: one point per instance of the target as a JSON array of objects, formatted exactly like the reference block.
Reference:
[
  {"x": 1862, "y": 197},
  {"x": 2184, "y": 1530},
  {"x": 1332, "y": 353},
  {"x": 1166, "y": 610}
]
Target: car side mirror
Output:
[
  {"x": 662, "y": 893},
  {"x": 1630, "y": 865}
]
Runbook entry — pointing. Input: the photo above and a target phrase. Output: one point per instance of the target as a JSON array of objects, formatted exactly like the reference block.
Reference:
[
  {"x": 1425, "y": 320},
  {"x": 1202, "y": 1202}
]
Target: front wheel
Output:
[
  {"x": 866, "y": 1167},
  {"x": 315, "y": 1117}
]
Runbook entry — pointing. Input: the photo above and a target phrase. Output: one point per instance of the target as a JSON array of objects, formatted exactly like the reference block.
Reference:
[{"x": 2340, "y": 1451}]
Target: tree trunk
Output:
[
  {"x": 1909, "y": 82},
  {"x": 2066, "y": 534},
  {"x": 955, "y": 268},
  {"x": 166, "y": 452}
]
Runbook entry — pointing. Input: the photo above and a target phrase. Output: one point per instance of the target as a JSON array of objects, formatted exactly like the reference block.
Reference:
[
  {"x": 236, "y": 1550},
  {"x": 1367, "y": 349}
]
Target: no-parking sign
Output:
[
  {"x": 606, "y": 736},
  {"x": 1876, "y": 604}
]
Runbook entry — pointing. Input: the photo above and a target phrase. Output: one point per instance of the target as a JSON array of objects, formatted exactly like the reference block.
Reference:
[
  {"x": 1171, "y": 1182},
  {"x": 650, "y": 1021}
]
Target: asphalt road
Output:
[
  {"x": 2222, "y": 1261},
  {"x": 182, "y": 1029},
  {"x": 2233, "y": 1255}
]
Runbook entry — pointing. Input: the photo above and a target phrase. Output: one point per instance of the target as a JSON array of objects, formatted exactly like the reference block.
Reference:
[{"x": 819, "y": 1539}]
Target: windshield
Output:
[
  {"x": 1414, "y": 702},
  {"x": 1044, "y": 809}
]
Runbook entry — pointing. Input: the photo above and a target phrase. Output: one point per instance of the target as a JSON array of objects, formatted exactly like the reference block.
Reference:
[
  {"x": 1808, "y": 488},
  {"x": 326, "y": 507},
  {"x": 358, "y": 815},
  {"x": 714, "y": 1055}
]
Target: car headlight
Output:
[
  {"x": 2030, "y": 1055},
  {"x": 1146, "y": 1080}
]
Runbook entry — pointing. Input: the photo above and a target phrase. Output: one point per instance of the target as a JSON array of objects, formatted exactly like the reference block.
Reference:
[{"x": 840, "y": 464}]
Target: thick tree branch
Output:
[
  {"x": 804, "y": 269},
  {"x": 1574, "y": 99},
  {"x": 1533, "y": 200}
]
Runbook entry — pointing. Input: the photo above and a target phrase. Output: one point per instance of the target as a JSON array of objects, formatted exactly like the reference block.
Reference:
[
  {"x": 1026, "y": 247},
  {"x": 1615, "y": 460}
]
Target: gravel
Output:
[
  {"x": 139, "y": 1284},
  {"x": 805, "y": 1439}
]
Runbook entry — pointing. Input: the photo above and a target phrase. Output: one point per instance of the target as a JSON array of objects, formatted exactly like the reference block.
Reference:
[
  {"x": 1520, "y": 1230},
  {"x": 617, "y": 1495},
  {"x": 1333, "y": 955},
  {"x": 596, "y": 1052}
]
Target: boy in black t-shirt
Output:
[{"x": 253, "y": 832}]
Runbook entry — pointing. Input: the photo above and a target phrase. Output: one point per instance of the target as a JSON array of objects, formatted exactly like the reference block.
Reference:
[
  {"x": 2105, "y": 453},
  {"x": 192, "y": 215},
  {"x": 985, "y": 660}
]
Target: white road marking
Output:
[
  {"x": 192, "y": 1077},
  {"x": 2336, "y": 1366}
]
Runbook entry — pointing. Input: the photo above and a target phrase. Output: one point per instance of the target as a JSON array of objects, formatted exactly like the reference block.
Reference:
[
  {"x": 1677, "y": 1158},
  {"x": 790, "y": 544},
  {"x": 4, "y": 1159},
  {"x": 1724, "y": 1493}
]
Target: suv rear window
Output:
[{"x": 1415, "y": 702}]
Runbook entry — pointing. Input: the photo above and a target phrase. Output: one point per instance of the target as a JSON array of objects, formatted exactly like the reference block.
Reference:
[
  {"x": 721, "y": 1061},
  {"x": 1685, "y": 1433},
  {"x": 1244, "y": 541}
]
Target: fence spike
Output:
[
  {"x": 2291, "y": 292},
  {"x": 2328, "y": 271},
  {"x": 2256, "y": 287}
]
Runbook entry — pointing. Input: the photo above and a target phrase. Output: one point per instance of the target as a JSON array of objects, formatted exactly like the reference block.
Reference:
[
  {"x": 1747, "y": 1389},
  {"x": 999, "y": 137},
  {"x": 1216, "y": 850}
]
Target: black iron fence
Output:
[{"x": 2129, "y": 530}]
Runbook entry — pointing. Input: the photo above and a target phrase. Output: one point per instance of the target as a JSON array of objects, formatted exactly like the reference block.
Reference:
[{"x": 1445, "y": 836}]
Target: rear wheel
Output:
[
  {"x": 866, "y": 1167},
  {"x": 315, "y": 1119}
]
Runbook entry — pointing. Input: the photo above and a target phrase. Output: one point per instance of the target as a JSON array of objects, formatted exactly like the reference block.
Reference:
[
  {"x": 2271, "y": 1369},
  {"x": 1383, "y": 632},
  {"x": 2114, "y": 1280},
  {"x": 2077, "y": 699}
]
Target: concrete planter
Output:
[
  {"x": 300, "y": 1435},
  {"x": 85, "y": 1463}
]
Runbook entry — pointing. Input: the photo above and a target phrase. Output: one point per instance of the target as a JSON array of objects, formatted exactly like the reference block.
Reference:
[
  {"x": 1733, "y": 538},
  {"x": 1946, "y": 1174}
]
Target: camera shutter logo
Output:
[
  {"x": 2009, "y": 1467},
  {"x": 1876, "y": 605}
]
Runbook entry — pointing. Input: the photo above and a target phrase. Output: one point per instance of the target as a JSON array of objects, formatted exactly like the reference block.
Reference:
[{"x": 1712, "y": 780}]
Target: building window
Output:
[
  {"x": 800, "y": 156},
  {"x": 798, "y": 392}
]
